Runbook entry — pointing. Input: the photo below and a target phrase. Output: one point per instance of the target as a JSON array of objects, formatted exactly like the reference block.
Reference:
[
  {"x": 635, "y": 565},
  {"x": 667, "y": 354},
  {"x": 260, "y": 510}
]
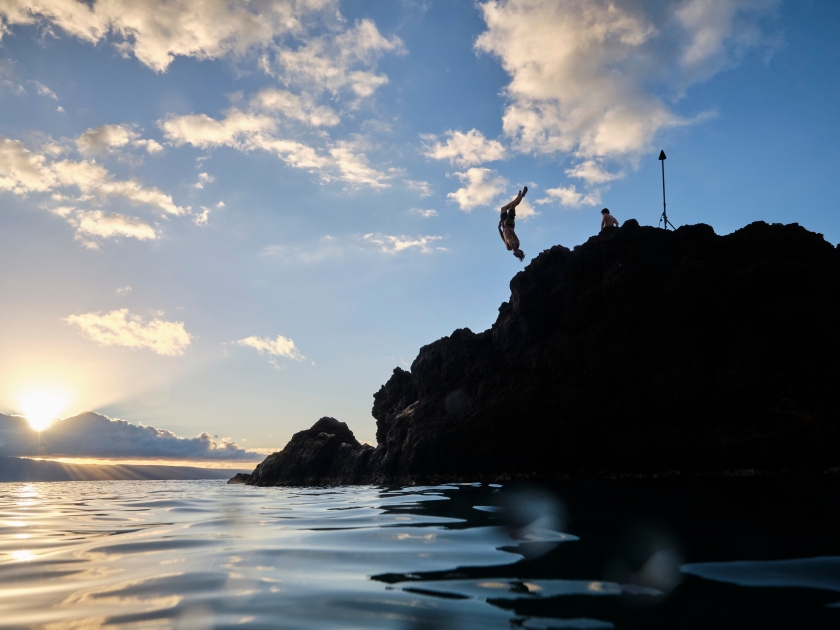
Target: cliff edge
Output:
[{"x": 640, "y": 351}]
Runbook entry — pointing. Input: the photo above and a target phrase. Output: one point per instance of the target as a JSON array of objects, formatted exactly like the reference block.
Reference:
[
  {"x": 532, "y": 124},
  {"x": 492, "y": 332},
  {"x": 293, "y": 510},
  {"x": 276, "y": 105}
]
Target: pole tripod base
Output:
[{"x": 664, "y": 218}]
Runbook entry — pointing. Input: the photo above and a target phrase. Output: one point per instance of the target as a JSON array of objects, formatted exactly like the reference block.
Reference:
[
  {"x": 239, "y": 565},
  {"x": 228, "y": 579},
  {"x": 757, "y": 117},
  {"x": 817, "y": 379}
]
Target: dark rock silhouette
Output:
[
  {"x": 317, "y": 456},
  {"x": 641, "y": 351}
]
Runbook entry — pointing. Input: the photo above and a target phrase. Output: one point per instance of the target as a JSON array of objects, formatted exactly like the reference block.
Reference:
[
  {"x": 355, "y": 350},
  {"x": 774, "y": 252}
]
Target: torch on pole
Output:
[{"x": 664, "y": 218}]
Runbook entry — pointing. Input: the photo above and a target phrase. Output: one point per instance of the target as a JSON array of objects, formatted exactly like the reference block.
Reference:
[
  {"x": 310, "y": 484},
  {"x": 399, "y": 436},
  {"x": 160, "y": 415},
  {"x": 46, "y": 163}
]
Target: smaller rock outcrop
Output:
[
  {"x": 240, "y": 478},
  {"x": 326, "y": 454}
]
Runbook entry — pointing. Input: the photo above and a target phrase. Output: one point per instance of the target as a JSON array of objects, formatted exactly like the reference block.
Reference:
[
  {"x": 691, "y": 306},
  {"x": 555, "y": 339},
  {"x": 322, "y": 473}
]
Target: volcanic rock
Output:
[{"x": 642, "y": 351}]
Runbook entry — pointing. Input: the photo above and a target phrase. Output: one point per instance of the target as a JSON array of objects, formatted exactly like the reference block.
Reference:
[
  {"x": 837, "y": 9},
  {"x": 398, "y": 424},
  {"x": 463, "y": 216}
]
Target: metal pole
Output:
[
  {"x": 664, "y": 216},
  {"x": 664, "y": 207}
]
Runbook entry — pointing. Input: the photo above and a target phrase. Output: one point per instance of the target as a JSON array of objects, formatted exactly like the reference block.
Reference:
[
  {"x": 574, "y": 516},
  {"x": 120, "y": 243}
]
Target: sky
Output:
[{"x": 227, "y": 219}]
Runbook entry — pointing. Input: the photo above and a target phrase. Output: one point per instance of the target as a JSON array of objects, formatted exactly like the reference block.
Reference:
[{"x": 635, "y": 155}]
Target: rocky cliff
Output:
[{"x": 640, "y": 351}]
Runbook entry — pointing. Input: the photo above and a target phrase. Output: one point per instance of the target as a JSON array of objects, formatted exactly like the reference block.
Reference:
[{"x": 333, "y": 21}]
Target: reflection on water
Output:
[{"x": 202, "y": 554}]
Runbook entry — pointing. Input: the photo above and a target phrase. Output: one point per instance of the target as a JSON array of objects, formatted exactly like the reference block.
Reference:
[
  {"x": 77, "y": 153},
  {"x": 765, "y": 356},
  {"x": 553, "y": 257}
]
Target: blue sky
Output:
[{"x": 236, "y": 218}]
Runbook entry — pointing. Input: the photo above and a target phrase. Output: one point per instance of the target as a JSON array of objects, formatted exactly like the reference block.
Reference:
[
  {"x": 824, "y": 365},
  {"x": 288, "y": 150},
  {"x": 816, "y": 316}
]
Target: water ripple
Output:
[{"x": 144, "y": 554}]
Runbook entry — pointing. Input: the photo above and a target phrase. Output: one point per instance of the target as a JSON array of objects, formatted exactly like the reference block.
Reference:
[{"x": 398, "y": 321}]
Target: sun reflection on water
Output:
[{"x": 22, "y": 555}]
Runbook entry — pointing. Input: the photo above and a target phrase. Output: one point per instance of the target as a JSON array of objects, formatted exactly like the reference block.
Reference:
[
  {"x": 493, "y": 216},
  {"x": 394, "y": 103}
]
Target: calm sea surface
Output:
[{"x": 726, "y": 553}]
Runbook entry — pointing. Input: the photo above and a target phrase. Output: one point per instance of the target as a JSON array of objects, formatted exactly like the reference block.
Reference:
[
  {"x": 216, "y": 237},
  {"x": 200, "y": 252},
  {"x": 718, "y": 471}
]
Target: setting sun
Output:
[{"x": 41, "y": 405}]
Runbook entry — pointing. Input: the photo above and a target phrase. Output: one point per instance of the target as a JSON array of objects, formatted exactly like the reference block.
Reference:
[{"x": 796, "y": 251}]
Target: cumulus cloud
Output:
[
  {"x": 204, "y": 178},
  {"x": 592, "y": 172},
  {"x": 108, "y": 138},
  {"x": 121, "y": 328},
  {"x": 592, "y": 77},
  {"x": 23, "y": 172},
  {"x": 97, "y": 223},
  {"x": 426, "y": 214},
  {"x": 105, "y": 138},
  {"x": 482, "y": 185},
  {"x": 249, "y": 131},
  {"x": 465, "y": 149},
  {"x": 237, "y": 129},
  {"x": 151, "y": 146},
  {"x": 123, "y": 290},
  {"x": 43, "y": 90},
  {"x": 295, "y": 107},
  {"x": 419, "y": 186},
  {"x": 90, "y": 434},
  {"x": 352, "y": 164},
  {"x": 525, "y": 210},
  {"x": 394, "y": 244},
  {"x": 570, "y": 197},
  {"x": 155, "y": 33},
  {"x": 337, "y": 62},
  {"x": 203, "y": 217},
  {"x": 279, "y": 347}
]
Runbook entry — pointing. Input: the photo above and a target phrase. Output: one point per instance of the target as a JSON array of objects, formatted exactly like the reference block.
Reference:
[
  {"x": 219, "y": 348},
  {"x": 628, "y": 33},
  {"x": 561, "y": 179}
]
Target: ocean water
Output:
[{"x": 728, "y": 553}]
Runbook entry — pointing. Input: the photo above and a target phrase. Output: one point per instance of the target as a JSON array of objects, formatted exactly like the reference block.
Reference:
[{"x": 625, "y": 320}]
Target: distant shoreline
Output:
[{"x": 20, "y": 469}]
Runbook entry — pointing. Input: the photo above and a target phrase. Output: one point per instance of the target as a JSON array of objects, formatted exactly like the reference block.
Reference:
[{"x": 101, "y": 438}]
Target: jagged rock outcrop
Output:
[
  {"x": 640, "y": 351},
  {"x": 326, "y": 454}
]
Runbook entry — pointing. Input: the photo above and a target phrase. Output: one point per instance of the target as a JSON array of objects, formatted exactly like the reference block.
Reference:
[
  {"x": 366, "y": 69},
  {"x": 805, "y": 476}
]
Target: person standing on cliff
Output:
[
  {"x": 608, "y": 220},
  {"x": 507, "y": 223}
]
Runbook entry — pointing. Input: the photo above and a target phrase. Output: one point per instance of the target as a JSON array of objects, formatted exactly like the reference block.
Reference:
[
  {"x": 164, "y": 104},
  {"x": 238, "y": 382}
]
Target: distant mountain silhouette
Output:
[
  {"x": 642, "y": 351},
  {"x": 20, "y": 469}
]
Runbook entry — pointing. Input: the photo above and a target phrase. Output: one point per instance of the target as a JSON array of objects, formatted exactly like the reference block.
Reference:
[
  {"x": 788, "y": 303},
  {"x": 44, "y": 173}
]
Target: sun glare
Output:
[{"x": 41, "y": 405}]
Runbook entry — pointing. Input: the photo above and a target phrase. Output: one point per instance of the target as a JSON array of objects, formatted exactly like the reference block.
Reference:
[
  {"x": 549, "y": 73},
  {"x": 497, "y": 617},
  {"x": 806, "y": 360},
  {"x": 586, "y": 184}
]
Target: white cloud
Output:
[
  {"x": 105, "y": 138},
  {"x": 248, "y": 131},
  {"x": 353, "y": 165},
  {"x": 152, "y": 146},
  {"x": 202, "y": 218},
  {"x": 155, "y": 32},
  {"x": 22, "y": 172},
  {"x": 60, "y": 109},
  {"x": 43, "y": 90},
  {"x": 108, "y": 138},
  {"x": 123, "y": 290},
  {"x": 204, "y": 178},
  {"x": 482, "y": 185},
  {"x": 592, "y": 172},
  {"x": 394, "y": 244},
  {"x": 465, "y": 149},
  {"x": 426, "y": 214},
  {"x": 97, "y": 223},
  {"x": 301, "y": 108},
  {"x": 571, "y": 197},
  {"x": 236, "y": 129},
  {"x": 584, "y": 73},
  {"x": 421, "y": 187},
  {"x": 525, "y": 210},
  {"x": 121, "y": 328},
  {"x": 279, "y": 347},
  {"x": 334, "y": 63}
]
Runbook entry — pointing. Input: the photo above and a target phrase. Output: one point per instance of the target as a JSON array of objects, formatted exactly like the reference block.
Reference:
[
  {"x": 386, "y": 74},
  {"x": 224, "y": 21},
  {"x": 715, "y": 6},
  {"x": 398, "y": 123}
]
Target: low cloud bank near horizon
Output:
[{"x": 93, "y": 435}]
